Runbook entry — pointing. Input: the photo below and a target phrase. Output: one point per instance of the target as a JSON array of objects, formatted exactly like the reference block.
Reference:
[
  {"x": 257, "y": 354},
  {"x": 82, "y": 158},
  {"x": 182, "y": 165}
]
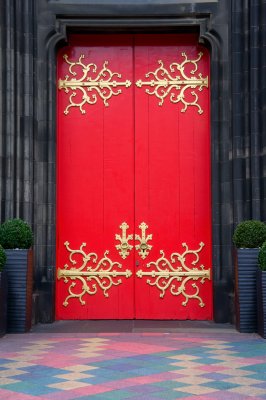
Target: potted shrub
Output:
[
  {"x": 261, "y": 291},
  {"x": 16, "y": 237},
  {"x": 3, "y": 292},
  {"x": 248, "y": 237}
]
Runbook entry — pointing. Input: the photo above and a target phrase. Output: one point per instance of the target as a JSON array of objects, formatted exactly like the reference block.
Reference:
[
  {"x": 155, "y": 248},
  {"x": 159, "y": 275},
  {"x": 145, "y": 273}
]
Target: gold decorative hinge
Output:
[
  {"x": 163, "y": 83},
  {"x": 90, "y": 87},
  {"x": 143, "y": 246},
  {"x": 124, "y": 246},
  {"x": 91, "y": 277},
  {"x": 165, "y": 274}
]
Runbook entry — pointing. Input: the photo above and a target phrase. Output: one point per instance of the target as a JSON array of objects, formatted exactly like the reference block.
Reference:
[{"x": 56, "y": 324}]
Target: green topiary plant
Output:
[
  {"x": 2, "y": 258},
  {"x": 249, "y": 234},
  {"x": 262, "y": 257},
  {"x": 16, "y": 234}
]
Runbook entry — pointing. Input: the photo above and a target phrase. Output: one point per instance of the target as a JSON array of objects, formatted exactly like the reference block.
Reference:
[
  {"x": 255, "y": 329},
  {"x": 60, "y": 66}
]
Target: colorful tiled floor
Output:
[{"x": 147, "y": 366}]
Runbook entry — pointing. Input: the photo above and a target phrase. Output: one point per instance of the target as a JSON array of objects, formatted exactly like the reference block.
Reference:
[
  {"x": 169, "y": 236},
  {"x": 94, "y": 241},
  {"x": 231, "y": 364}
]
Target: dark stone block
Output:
[
  {"x": 237, "y": 83},
  {"x": 221, "y": 296},
  {"x": 239, "y": 168},
  {"x": 46, "y": 292}
]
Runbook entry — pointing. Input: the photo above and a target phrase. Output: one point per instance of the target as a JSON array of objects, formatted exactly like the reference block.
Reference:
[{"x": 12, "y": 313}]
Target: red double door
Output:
[{"x": 133, "y": 178}]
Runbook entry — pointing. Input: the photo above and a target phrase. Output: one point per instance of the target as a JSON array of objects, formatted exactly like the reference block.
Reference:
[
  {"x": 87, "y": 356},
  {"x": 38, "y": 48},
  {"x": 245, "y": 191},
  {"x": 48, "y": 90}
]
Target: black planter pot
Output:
[
  {"x": 3, "y": 302},
  {"x": 19, "y": 269},
  {"x": 261, "y": 296},
  {"x": 246, "y": 289}
]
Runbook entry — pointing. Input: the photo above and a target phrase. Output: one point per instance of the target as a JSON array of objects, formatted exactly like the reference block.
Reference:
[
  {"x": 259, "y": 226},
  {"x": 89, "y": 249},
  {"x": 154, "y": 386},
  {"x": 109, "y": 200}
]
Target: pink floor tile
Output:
[
  {"x": 62, "y": 395},
  {"x": 57, "y": 362},
  {"x": 212, "y": 368},
  {"x": 8, "y": 395},
  {"x": 139, "y": 348},
  {"x": 109, "y": 334},
  {"x": 192, "y": 339},
  {"x": 205, "y": 397},
  {"x": 154, "y": 334},
  {"x": 250, "y": 361}
]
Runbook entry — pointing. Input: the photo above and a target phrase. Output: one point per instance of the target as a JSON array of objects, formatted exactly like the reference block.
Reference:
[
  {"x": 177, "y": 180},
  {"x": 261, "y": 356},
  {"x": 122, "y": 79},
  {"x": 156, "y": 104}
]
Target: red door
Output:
[{"x": 133, "y": 181}]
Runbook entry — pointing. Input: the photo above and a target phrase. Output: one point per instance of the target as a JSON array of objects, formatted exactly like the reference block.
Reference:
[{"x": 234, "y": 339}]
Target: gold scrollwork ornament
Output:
[
  {"x": 90, "y": 87},
  {"x": 165, "y": 273},
  {"x": 98, "y": 275},
  {"x": 163, "y": 83}
]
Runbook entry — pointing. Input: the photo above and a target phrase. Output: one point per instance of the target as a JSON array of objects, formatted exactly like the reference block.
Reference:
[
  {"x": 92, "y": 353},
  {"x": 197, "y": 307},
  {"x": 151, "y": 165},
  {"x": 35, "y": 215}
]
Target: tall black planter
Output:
[
  {"x": 261, "y": 296},
  {"x": 246, "y": 289},
  {"x": 3, "y": 302},
  {"x": 19, "y": 269}
]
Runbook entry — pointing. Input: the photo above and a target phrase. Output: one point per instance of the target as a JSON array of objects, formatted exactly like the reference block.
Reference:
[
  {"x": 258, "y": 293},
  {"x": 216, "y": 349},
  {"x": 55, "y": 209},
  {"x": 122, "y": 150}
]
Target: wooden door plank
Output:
[
  {"x": 95, "y": 185},
  {"x": 172, "y": 179}
]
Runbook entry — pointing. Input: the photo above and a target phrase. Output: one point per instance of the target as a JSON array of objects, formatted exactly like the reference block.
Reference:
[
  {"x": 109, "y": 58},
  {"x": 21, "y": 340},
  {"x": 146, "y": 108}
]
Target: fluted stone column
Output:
[
  {"x": 17, "y": 109},
  {"x": 248, "y": 108}
]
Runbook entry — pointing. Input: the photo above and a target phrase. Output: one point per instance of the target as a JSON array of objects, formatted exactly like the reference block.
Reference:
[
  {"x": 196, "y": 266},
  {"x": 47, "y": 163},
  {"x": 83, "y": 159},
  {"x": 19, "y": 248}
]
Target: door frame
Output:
[
  {"x": 57, "y": 37},
  {"x": 153, "y": 307}
]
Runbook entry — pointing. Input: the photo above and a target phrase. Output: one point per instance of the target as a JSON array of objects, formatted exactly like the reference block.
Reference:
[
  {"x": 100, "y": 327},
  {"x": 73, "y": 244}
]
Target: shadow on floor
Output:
[{"x": 94, "y": 326}]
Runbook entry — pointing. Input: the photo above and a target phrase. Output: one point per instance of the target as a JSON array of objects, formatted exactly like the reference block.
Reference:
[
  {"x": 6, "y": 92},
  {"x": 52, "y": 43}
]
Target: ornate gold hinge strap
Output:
[
  {"x": 124, "y": 247},
  {"x": 143, "y": 246},
  {"x": 90, "y": 87},
  {"x": 101, "y": 276},
  {"x": 163, "y": 83},
  {"x": 166, "y": 273}
]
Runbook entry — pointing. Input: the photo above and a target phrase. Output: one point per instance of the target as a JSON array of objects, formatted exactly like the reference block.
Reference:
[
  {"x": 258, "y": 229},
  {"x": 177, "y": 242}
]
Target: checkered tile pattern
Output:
[{"x": 147, "y": 366}]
